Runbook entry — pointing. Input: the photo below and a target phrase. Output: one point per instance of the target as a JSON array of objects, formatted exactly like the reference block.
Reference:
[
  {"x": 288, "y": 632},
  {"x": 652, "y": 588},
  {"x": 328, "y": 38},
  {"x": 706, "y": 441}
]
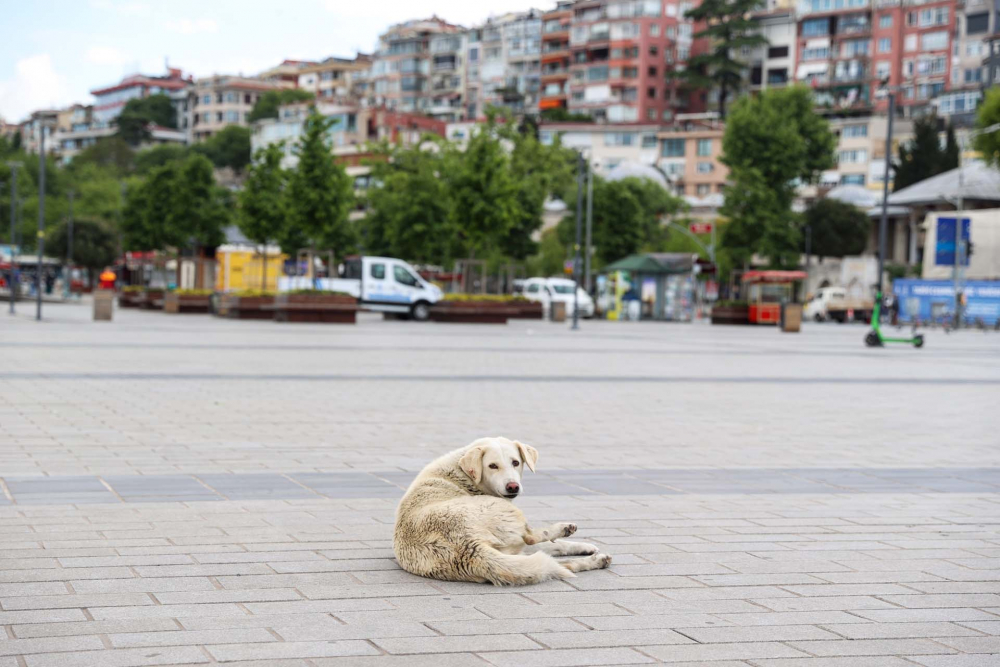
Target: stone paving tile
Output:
[
  {"x": 190, "y": 637},
  {"x": 567, "y": 658},
  {"x": 976, "y": 660},
  {"x": 704, "y": 653},
  {"x": 66, "y": 629},
  {"x": 121, "y": 658},
  {"x": 872, "y": 647},
  {"x": 277, "y": 650}
]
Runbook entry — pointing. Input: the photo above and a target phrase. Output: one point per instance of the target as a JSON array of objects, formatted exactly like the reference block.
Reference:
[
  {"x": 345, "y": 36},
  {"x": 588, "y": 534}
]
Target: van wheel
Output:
[
  {"x": 818, "y": 317},
  {"x": 421, "y": 311}
]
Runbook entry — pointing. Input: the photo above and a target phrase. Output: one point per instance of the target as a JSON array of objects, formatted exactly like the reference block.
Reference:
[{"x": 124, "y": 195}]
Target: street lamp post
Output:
[
  {"x": 581, "y": 166},
  {"x": 590, "y": 226},
  {"x": 41, "y": 223},
  {"x": 883, "y": 224},
  {"x": 69, "y": 245},
  {"x": 13, "y": 226}
]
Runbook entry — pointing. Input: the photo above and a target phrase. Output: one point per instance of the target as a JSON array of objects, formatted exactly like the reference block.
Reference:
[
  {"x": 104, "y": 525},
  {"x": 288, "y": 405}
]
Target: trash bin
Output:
[
  {"x": 103, "y": 304},
  {"x": 791, "y": 317},
  {"x": 557, "y": 311}
]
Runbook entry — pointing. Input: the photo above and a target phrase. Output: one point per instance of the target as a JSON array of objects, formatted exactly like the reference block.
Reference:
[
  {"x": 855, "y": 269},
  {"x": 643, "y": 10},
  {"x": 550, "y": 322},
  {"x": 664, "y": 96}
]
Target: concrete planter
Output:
[
  {"x": 245, "y": 307},
  {"x": 738, "y": 314},
  {"x": 527, "y": 310},
  {"x": 325, "y": 308},
  {"x": 129, "y": 299},
  {"x": 474, "y": 312},
  {"x": 185, "y": 303},
  {"x": 152, "y": 299}
]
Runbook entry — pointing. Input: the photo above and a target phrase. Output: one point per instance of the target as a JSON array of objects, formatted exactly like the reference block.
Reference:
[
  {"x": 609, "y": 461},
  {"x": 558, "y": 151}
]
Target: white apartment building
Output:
[
  {"x": 860, "y": 151},
  {"x": 503, "y": 64},
  {"x": 218, "y": 101},
  {"x": 773, "y": 66}
]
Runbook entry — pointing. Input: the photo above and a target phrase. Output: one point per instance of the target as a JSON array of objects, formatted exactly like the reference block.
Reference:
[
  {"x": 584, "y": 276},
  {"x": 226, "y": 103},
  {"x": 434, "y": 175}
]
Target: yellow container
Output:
[{"x": 240, "y": 267}]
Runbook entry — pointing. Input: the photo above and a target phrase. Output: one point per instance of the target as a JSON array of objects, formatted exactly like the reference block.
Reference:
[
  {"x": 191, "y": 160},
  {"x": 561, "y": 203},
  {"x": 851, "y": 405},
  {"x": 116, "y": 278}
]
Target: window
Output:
[
  {"x": 853, "y": 156},
  {"x": 974, "y": 49},
  {"x": 218, "y": 98},
  {"x": 378, "y": 271},
  {"x": 207, "y": 99},
  {"x": 218, "y": 116},
  {"x": 672, "y": 148},
  {"x": 232, "y": 116},
  {"x": 821, "y": 53},
  {"x": 404, "y": 277},
  {"x": 705, "y": 167},
  {"x": 683, "y": 53},
  {"x": 884, "y": 45},
  {"x": 704, "y": 147},
  {"x": 882, "y": 69},
  {"x": 934, "y": 16},
  {"x": 855, "y": 47},
  {"x": 973, "y": 75},
  {"x": 934, "y": 41},
  {"x": 976, "y": 24},
  {"x": 654, "y": 29},
  {"x": 630, "y": 94},
  {"x": 599, "y": 73},
  {"x": 651, "y": 93},
  {"x": 852, "y": 179},
  {"x": 630, "y": 72},
  {"x": 703, "y": 190},
  {"x": 654, "y": 51},
  {"x": 815, "y": 27},
  {"x": 619, "y": 139},
  {"x": 911, "y": 43},
  {"x": 649, "y": 140},
  {"x": 777, "y": 52},
  {"x": 651, "y": 71},
  {"x": 533, "y": 288},
  {"x": 651, "y": 114},
  {"x": 885, "y": 21},
  {"x": 853, "y": 131},
  {"x": 231, "y": 98}
]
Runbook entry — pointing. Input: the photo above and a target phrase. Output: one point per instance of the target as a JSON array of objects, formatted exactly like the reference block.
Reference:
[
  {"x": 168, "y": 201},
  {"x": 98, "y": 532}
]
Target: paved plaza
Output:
[{"x": 180, "y": 489}]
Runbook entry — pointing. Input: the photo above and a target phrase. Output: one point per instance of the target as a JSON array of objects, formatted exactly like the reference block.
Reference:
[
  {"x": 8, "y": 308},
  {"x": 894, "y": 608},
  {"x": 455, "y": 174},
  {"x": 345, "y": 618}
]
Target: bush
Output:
[
  {"x": 253, "y": 292},
  {"x": 133, "y": 289},
  {"x": 494, "y": 298},
  {"x": 728, "y": 303},
  {"x": 193, "y": 292}
]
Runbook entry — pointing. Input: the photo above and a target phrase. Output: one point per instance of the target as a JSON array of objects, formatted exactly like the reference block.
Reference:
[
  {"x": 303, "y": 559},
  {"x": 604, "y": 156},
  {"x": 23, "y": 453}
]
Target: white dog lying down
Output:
[{"x": 456, "y": 522}]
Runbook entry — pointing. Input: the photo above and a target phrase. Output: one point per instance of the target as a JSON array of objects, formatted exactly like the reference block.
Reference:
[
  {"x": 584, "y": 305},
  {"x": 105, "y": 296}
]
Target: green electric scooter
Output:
[{"x": 874, "y": 337}]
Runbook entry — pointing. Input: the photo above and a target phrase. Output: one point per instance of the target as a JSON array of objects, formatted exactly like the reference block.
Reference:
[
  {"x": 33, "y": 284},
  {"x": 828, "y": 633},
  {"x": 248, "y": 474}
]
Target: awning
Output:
[
  {"x": 654, "y": 263},
  {"x": 811, "y": 69}
]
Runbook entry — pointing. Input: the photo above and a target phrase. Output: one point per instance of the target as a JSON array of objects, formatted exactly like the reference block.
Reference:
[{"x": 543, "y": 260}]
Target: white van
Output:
[{"x": 384, "y": 284}]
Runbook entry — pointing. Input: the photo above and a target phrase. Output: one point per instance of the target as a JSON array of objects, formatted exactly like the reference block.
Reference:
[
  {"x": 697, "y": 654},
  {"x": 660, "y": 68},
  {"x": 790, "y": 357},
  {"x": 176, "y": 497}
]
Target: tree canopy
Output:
[
  {"x": 95, "y": 244},
  {"x": 267, "y": 105},
  {"x": 229, "y": 147},
  {"x": 140, "y": 112},
  {"x": 263, "y": 207},
  {"x": 923, "y": 156},
  {"x": 728, "y": 28},
  {"x": 838, "y": 229},
  {"x": 988, "y": 143},
  {"x": 771, "y": 143}
]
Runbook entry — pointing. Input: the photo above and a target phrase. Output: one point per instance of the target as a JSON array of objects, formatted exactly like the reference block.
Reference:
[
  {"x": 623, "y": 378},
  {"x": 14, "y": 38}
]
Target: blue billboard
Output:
[
  {"x": 928, "y": 300},
  {"x": 944, "y": 249}
]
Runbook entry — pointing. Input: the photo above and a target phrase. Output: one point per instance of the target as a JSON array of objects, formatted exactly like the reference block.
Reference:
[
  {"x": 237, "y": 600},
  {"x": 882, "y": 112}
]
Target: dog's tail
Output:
[{"x": 502, "y": 569}]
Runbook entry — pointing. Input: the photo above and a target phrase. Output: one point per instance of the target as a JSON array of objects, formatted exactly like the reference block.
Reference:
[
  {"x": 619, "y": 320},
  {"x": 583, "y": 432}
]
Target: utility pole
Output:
[
  {"x": 883, "y": 224},
  {"x": 69, "y": 246},
  {"x": 956, "y": 270},
  {"x": 41, "y": 223},
  {"x": 581, "y": 166},
  {"x": 13, "y": 227},
  {"x": 590, "y": 226}
]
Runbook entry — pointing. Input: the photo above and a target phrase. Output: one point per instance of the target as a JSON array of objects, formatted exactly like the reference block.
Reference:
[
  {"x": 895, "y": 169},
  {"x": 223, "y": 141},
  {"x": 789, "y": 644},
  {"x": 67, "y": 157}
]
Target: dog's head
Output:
[{"x": 495, "y": 465}]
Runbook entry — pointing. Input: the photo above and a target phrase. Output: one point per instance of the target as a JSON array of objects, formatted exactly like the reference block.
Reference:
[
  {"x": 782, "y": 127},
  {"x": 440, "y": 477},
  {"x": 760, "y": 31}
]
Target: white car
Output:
[{"x": 547, "y": 290}]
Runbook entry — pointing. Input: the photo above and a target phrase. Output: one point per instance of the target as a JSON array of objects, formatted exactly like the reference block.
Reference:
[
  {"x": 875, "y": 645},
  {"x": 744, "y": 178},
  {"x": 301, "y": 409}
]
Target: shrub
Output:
[{"x": 193, "y": 292}]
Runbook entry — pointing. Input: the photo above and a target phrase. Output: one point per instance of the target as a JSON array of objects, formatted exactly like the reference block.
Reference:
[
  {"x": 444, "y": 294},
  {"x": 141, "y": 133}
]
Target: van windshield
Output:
[{"x": 562, "y": 288}]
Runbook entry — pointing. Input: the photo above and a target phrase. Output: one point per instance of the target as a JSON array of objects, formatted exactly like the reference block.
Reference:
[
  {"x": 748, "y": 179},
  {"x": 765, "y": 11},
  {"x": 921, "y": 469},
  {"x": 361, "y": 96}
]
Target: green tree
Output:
[
  {"x": 230, "y": 147},
  {"x": 838, "y": 229},
  {"x": 95, "y": 243},
  {"x": 771, "y": 142},
  {"x": 320, "y": 191},
  {"x": 157, "y": 156},
  {"x": 951, "y": 150},
  {"x": 551, "y": 256},
  {"x": 268, "y": 103},
  {"x": 922, "y": 157},
  {"x": 147, "y": 220},
  {"x": 263, "y": 207},
  {"x": 111, "y": 152},
  {"x": 140, "y": 112},
  {"x": 200, "y": 212},
  {"x": 409, "y": 207},
  {"x": 987, "y": 143},
  {"x": 561, "y": 115},
  {"x": 728, "y": 28}
]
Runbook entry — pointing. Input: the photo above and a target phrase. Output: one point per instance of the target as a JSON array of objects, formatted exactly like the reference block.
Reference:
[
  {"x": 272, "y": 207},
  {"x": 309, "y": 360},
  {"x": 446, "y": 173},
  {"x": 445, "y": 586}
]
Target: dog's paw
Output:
[
  {"x": 568, "y": 529},
  {"x": 586, "y": 549},
  {"x": 603, "y": 561}
]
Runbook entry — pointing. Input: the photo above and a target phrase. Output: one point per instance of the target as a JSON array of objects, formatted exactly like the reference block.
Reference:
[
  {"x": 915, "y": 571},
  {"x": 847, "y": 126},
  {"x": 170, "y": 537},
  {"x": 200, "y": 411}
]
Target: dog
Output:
[{"x": 456, "y": 522}]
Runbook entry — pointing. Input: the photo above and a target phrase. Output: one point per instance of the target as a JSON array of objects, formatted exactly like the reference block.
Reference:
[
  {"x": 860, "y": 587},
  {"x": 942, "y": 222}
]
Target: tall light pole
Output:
[
  {"x": 41, "y": 222},
  {"x": 590, "y": 226},
  {"x": 13, "y": 226},
  {"x": 69, "y": 245},
  {"x": 883, "y": 224},
  {"x": 581, "y": 166}
]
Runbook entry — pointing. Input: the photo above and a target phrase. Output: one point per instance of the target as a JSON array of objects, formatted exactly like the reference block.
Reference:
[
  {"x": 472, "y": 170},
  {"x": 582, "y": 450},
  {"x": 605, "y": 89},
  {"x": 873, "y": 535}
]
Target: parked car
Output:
[
  {"x": 833, "y": 303},
  {"x": 547, "y": 290},
  {"x": 384, "y": 284}
]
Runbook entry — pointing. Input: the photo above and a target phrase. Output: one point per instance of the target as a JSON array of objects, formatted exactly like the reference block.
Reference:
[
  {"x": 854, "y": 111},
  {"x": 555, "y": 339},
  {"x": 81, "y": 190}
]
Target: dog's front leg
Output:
[{"x": 548, "y": 533}]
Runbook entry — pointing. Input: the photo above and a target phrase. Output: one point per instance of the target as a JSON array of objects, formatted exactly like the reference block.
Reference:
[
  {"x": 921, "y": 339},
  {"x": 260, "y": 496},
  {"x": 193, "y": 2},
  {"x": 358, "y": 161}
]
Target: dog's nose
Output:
[{"x": 513, "y": 487}]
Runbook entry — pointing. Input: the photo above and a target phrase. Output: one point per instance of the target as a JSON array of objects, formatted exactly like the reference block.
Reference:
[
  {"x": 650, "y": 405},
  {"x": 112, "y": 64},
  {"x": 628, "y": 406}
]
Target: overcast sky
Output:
[{"x": 53, "y": 52}]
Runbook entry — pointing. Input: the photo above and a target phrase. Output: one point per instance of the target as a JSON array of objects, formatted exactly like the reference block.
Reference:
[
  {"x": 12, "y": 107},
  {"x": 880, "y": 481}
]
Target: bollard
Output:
[{"x": 103, "y": 304}]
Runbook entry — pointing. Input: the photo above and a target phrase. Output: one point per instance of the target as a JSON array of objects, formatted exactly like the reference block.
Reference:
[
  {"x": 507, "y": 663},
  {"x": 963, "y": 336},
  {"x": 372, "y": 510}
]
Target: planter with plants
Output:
[
  {"x": 478, "y": 308},
  {"x": 152, "y": 298},
  {"x": 130, "y": 296},
  {"x": 314, "y": 306},
  {"x": 730, "y": 312},
  {"x": 187, "y": 301},
  {"x": 245, "y": 305}
]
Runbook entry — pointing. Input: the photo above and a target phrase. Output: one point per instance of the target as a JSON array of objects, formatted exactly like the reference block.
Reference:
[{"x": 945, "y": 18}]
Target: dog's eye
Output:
[
  {"x": 494, "y": 466},
  {"x": 515, "y": 463}
]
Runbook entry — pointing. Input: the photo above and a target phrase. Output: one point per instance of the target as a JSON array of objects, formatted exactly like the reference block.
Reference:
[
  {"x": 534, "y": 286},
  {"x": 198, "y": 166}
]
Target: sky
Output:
[{"x": 53, "y": 52}]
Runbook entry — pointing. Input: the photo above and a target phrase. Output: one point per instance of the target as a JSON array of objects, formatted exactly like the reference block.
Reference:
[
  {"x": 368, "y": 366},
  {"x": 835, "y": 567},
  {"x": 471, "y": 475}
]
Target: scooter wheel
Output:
[
  {"x": 918, "y": 341},
  {"x": 872, "y": 339}
]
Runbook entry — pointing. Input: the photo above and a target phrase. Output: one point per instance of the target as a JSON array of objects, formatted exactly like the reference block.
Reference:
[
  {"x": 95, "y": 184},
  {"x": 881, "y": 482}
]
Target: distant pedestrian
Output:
[{"x": 631, "y": 304}]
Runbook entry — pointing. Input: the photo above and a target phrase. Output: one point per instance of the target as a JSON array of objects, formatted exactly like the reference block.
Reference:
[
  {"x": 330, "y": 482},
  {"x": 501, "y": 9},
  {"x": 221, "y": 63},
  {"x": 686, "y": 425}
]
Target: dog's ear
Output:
[
  {"x": 472, "y": 463},
  {"x": 528, "y": 454}
]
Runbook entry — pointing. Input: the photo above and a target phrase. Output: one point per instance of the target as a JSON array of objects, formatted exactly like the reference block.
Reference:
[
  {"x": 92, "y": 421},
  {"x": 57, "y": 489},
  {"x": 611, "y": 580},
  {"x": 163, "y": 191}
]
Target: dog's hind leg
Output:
[
  {"x": 564, "y": 548},
  {"x": 594, "y": 562},
  {"x": 548, "y": 533},
  {"x": 502, "y": 569}
]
